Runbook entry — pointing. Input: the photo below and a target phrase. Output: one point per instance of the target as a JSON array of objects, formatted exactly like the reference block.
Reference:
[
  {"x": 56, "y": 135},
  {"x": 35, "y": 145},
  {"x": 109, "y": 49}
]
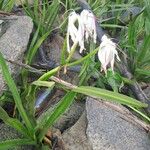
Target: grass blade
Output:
[
  {"x": 145, "y": 48},
  {"x": 35, "y": 10},
  {"x": 65, "y": 102},
  {"x": 143, "y": 72},
  {"x": 8, "y": 5},
  {"x": 108, "y": 95},
  {"x": 52, "y": 11},
  {"x": 141, "y": 114},
  {"x": 13, "y": 89},
  {"x": 34, "y": 39},
  {"x": 33, "y": 51}
]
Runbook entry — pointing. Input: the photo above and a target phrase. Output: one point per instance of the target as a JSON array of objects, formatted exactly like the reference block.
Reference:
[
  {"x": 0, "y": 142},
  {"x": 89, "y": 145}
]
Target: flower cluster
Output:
[{"x": 80, "y": 28}]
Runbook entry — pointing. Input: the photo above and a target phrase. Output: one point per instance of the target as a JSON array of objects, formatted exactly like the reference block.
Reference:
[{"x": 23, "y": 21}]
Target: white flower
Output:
[
  {"x": 76, "y": 33},
  {"x": 88, "y": 19},
  {"x": 80, "y": 26},
  {"x": 72, "y": 30},
  {"x": 107, "y": 53}
]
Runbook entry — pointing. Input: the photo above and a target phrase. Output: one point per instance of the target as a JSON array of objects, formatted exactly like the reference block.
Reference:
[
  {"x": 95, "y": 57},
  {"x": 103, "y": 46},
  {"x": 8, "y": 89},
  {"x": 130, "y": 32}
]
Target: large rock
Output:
[
  {"x": 75, "y": 138},
  {"x": 106, "y": 130},
  {"x": 13, "y": 42}
]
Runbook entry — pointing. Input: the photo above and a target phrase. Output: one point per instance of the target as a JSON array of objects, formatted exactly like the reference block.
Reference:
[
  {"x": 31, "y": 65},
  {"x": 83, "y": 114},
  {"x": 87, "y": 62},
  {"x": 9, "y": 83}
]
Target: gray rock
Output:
[
  {"x": 75, "y": 138},
  {"x": 14, "y": 41},
  {"x": 106, "y": 130}
]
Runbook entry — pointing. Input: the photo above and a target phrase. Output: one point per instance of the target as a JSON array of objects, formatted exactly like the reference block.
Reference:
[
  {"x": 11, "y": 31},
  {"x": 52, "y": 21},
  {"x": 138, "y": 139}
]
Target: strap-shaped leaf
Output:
[
  {"x": 49, "y": 119},
  {"x": 13, "y": 89},
  {"x": 109, "y": 95}
]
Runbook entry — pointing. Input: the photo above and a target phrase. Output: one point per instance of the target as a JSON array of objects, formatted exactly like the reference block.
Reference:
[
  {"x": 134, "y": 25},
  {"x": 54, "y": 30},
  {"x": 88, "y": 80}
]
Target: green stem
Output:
[
  {"x": 83, "y": 58},
  {"x": 71, "y": 52}
]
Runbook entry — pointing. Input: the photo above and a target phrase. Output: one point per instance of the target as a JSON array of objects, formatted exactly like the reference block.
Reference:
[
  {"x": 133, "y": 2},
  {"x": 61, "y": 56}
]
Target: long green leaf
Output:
[
  {"x": 108, "y": 95},
  {"x": 52, "y": 11},
  {"x": 32, "y": 44},
  {"x": 147, "y": 4},
  {"x": 35, "y": 10},
  {"x": 143, "y": 72},
  {"x": 34, "y": 39},
  {"x": 27, "y": 8},
  {"x": 113, "y": 26},
  {"x": 64, "y": 104},
  {"x": 15, "y": 142},
  {"x": 145, "y": 48},
  {"x": 33, "y": 51},
  {"x": 13, "y": 89},
  {"x": 8, "y": 5},
  {"x": 140, "y": 113}
]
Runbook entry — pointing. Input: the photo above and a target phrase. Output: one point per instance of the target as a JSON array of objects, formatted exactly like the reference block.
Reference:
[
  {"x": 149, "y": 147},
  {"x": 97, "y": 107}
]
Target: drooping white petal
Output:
[
  {"x": 107, "y": 53},
  {"x": 89, "y": 24},
  {"x": 72, "y": 30},
  {"x": 80, "y": 35},
  {"x": 76, "y": 33}
]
